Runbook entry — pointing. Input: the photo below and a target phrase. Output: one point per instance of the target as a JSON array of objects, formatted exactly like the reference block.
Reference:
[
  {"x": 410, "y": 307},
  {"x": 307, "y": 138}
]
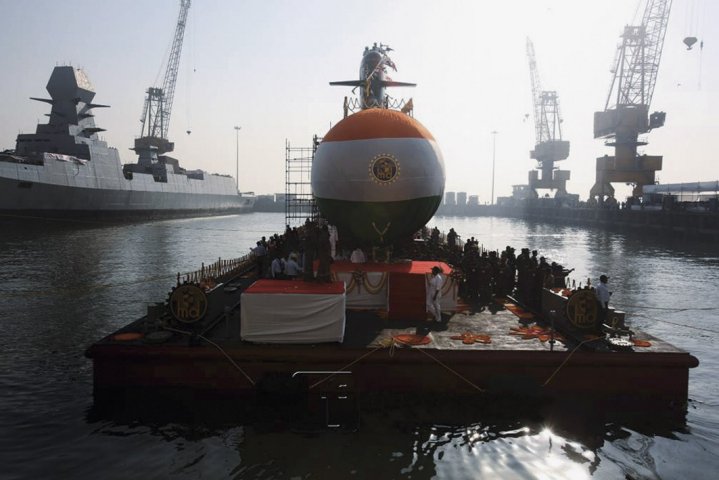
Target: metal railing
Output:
[{"x": 218, "y": 272}]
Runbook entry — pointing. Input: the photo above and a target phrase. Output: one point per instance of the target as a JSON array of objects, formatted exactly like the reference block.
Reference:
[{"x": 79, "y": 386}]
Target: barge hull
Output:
[{"x": 661, "y": 378}]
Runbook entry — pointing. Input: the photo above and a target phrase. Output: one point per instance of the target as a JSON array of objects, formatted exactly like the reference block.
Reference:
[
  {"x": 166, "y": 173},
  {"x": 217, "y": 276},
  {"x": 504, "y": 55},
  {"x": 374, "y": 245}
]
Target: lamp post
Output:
[
  {"x": 494, "y": 152},
  {"x": 237, "y": 156}
]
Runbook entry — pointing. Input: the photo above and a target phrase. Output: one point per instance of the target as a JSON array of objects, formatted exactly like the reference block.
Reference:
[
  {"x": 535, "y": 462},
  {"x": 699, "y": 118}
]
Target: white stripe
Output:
[{"x": 340, "y": 170}]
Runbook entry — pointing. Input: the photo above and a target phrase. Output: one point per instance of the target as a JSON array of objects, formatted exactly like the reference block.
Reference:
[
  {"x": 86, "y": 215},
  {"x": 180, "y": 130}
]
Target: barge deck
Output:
[{"x": 381, "y": 355}]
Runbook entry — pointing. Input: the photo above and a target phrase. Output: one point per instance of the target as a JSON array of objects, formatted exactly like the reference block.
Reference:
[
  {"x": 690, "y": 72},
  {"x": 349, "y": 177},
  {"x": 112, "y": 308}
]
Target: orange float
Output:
[
  {"x": 411, "y": 339},
  {"x": 535, "y": 331},
  {"x": 468, "y": 338},
  {"x": 127, "y": 336}
]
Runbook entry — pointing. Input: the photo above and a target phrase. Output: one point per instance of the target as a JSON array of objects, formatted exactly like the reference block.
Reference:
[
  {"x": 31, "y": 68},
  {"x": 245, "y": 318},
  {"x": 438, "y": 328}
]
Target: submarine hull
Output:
[{"x": 378, "y": 175}]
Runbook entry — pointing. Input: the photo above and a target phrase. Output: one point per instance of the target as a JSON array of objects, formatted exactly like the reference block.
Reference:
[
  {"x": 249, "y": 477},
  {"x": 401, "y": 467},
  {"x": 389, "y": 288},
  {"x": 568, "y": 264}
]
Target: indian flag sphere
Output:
[{"x": 378, "y": 175}]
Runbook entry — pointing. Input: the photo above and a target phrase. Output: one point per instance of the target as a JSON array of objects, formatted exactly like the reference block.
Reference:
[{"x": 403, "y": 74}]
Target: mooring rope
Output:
[
  {"x": 677, "y": 324},
  {"x": 462, "y": 377},
  {"x": 546, "y": 382},
  {"x": 667, "y": 309},
  {"x": 335, "y": 373},
  {"x": 216, "y": 346},
  {"x": 392, "y": 350}
]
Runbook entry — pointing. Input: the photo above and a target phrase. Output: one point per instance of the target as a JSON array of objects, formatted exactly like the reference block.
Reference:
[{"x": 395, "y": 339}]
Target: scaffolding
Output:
[{"x": 299, "y": 202}]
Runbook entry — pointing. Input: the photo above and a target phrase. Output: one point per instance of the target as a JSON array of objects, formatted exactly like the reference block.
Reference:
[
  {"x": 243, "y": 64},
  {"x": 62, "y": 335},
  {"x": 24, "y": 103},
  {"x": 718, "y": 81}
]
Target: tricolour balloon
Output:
[{"x": 378, "y": 175}]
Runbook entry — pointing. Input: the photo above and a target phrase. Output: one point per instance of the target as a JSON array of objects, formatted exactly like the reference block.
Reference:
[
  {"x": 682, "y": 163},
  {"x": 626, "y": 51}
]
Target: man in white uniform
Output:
[
  {"x": 602, "y": 292},
  {"x": 434, "y": 294},
  {"x": 334, "y": 236},
  {"x": 277, "y": 268}
]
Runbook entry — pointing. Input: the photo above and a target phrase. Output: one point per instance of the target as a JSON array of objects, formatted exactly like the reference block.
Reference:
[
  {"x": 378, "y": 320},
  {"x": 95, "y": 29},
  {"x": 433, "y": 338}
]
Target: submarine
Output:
[{"x": 378, "y": 175}]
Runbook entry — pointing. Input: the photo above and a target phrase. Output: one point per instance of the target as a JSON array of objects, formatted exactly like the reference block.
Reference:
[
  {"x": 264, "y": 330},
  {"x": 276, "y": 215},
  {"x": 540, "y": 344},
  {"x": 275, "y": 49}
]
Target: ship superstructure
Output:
[{"x": 64, "y": 168}]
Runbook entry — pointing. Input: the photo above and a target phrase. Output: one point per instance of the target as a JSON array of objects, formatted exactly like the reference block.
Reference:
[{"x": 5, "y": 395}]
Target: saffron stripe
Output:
[{"x": 377, "y": 123}]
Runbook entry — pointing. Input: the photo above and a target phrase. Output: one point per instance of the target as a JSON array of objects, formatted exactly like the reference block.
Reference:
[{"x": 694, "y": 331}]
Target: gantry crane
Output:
[
  {"x": 550, "y": 147},
  {"x": 626, "y": 112},
  {"x": 158, "y": 102}
]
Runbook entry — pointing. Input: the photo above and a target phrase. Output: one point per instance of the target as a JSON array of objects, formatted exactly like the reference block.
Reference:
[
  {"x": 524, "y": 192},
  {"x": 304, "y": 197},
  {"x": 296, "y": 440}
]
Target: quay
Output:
[{"x": 699, "y": 225}]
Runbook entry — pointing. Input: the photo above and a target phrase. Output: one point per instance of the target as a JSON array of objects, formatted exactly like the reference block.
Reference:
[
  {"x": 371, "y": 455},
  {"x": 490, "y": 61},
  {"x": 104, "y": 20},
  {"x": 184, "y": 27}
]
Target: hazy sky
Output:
[{"x": 265, "y": 65}]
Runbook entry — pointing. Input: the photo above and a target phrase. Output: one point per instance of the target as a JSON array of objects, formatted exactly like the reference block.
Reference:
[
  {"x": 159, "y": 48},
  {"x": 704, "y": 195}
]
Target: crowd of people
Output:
[
  {"x": 304, "y": 252},
  {"x": 482, "y": 274}
]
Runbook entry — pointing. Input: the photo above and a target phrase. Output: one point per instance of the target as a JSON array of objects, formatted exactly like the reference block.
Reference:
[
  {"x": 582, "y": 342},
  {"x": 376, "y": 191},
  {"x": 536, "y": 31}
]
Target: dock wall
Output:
[{"x": 683, "y": 224}]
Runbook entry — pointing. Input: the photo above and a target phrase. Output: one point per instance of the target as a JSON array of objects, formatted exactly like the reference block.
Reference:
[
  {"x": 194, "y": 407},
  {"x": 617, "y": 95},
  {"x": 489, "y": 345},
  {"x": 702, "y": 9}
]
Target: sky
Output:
[{"x": 265, "y": 65}]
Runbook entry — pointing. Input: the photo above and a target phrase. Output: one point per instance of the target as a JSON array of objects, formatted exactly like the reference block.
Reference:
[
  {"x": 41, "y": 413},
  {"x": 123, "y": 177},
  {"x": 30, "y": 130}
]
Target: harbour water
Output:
[{"x": 65, "y": 284}]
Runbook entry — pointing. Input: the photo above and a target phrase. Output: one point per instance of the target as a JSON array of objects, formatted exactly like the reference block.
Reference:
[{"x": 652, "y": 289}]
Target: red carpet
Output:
[
  {"x": 414, "y": 267},
  {"x": 295, "y": 286}
]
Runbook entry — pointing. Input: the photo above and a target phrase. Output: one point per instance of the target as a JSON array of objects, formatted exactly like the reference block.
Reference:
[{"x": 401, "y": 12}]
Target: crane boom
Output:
[
  {"x": 536, "y": 90},
  {"x": 638, "y": 57},
  {"x": 173, "y": 64},
  {"x": 158, "y": 102},
  {"x": 547, "y": 119}
]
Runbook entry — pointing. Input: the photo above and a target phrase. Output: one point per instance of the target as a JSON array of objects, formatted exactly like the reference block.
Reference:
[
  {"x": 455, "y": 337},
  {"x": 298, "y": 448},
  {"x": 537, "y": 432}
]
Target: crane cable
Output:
[{"x": 190, "y": 70}]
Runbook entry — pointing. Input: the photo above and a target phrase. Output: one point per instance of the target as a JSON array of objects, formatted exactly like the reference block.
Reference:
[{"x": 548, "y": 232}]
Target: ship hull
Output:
[{"x": 61, "y": 189}]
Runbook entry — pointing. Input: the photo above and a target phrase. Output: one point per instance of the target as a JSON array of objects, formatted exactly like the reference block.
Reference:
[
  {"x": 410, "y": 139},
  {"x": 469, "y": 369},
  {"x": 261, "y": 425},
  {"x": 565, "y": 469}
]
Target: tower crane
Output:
[
  {"x": 158, "y": 102},
  {"x": 626, "y": 112},
  {"x": 550, "y": 147}
]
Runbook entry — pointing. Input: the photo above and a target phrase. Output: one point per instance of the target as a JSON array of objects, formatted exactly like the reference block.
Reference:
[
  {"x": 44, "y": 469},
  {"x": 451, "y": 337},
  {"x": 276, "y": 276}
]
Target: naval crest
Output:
[
  {"x": 188, "y": 303},
  {"x": 582, "y": 310},
  {"x": 384, "y": 168}
]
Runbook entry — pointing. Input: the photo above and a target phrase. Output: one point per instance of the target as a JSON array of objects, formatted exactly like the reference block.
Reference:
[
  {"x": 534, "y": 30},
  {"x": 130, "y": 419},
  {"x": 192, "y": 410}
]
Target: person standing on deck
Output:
[
  {"x": 452, "y": 238},
  {"x": 334, "y": 237},
  {"x": 260, "y": 251},
  {"x": 277, "y": 268},
  {"x": 310, "y": 247},
  {"x": 602, "y": 292},
  {"x": 292, "y": 269},
  {"x": 434, "y": 294},
  {"x": 324, "y": 255}
]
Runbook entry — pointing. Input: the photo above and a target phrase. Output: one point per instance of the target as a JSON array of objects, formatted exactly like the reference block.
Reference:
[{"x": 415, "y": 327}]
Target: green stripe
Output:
[{"x": 355, "y": 220}]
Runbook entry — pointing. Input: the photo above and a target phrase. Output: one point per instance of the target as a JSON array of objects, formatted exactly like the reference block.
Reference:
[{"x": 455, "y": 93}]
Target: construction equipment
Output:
[
  {"x": 550, "y": 147},
  {"x": 158, "y": 102},
  {"x": 626, "y": 113}
]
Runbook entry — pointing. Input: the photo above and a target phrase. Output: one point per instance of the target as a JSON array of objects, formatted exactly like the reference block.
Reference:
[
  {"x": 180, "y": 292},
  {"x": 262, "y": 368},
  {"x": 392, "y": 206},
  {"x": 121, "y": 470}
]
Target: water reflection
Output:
[
  {"x": 401, "y": 437},
  {"x": 65, "y": 285}
]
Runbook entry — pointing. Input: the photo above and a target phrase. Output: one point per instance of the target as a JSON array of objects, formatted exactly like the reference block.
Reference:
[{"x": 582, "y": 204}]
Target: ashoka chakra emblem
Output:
[{"x": 384, "y": 168}]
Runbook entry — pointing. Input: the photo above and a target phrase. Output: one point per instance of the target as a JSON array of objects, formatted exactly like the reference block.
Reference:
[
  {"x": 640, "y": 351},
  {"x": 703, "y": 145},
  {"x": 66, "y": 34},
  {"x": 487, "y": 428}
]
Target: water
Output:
[{"x": 65, "y": 284}]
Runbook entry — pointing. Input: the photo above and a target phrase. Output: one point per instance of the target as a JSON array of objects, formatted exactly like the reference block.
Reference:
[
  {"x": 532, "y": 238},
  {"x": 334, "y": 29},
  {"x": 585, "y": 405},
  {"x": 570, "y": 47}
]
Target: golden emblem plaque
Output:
[
  {"x": 188, "y": 303},
  {"x": 582, "y": 309},
  {"x": 384, "y": 168}
]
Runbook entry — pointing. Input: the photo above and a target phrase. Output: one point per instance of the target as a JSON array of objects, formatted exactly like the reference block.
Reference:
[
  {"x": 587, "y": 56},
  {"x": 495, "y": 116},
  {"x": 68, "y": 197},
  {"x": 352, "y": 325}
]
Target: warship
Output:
[{"x": 65, "y": 169}]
